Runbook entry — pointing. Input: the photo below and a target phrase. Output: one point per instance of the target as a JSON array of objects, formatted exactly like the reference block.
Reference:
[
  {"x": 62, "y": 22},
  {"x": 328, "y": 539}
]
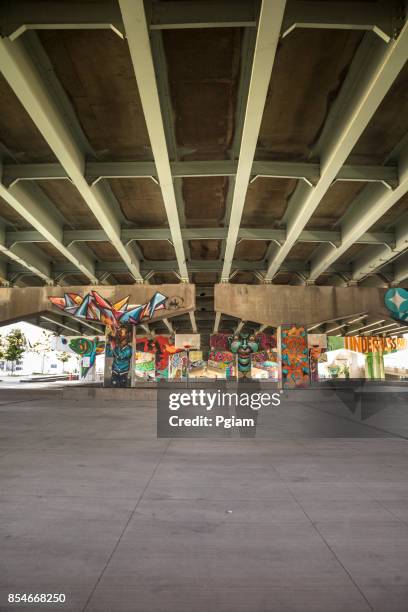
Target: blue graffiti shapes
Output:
[{"x": 396, "y": 301}]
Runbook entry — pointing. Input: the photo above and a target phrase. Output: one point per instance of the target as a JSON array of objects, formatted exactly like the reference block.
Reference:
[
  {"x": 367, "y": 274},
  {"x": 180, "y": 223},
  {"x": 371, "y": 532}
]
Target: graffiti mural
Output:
[
  {"x": 178, "y": 365},
  {"x": 243, "y": 346},
  {"x": 119, "y": 353},
  {"x": 396, "y": 301},
  {"x": 93, "y": 307},
  {"x": 87, "y": 348},
  {"x": 162, "y": 347},
  {"x": 315, "y": 354},
  {"x": 372, "y": 344},
  {"x": 294, "y": 356},
  {"x": 145, "y": 365},
  {"x": 265, "y": 365},
  {"x": 317, "y": 344}
]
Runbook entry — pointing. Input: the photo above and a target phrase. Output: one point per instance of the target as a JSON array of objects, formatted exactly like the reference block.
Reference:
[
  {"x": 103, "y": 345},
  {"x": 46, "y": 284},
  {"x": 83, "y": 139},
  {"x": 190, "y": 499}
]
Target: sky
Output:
[{"x": 31, "y": 332}]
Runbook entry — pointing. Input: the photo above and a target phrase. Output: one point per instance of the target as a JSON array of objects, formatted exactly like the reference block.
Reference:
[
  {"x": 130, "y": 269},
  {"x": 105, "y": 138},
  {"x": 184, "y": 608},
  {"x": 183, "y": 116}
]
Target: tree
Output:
[
  {"x": 15, "y": 347},
  {"x": 63, "y": 357},
  {"x": 2, "y": 348},
  {"x": 43, "y": 346}
]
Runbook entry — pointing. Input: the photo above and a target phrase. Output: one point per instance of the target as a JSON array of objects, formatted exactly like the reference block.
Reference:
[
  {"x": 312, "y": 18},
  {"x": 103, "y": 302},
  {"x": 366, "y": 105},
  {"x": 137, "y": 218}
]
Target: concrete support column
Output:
[
  {"x": 293, "y": 356},
  {"x": 119, "y": 351}
]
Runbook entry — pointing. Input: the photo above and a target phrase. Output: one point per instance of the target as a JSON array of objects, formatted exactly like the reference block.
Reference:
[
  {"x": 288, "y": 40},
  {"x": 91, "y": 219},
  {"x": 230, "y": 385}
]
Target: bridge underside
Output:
[{"x": 155, "y": 142}]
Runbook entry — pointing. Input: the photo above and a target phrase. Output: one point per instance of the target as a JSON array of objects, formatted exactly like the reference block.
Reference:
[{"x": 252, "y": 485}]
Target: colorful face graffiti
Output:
[
  {"x": 119, "y": 348},
  {"x": 243, "y": 346}
]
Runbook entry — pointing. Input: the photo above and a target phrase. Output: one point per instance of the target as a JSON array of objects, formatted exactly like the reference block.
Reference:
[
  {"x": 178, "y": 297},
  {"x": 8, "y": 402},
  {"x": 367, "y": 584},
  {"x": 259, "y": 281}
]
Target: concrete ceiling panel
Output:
[
  {"x": 309, "y": 68},
  {"x": 302, "y": 251},
  {"x": 205, "y": 249},
  {"x": 157, "y": 249},
  {"x": 392, "y": 215},
  {"x": 70, "y": 204},
  {"x": 334, "y": 204},
  {"x": 17, "y": 131},
  {"x": 253, "y": 250},
  {"x": 104, "y": 251},
  {"x": 95, "y": 69},
  {"x": 266, "y": 201},
  {"x": 203, "y": 68},
  {"x": 141, "y": 201},
  {"x": 11, "y": 217},
  {"x": 388, "y": 126},
  {"x": 204, "y": 200}
]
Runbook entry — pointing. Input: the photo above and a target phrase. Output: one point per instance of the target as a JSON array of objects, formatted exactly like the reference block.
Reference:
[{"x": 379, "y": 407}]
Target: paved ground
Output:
[{"x": 94, "y": 506}]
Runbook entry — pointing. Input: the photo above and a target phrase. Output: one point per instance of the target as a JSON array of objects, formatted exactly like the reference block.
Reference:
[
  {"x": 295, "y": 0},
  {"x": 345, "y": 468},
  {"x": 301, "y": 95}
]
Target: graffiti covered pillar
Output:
[
  {"x": 118, "y": 356},
  {"x": 374, "y": 365},
  {"x": 294, "y": 356}
]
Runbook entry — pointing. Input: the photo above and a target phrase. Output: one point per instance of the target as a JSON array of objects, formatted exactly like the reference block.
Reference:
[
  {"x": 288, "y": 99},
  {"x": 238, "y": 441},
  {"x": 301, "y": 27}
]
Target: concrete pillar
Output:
[
  {"x": 119, "y": 356},
  {"x": 293, "y": 356}
]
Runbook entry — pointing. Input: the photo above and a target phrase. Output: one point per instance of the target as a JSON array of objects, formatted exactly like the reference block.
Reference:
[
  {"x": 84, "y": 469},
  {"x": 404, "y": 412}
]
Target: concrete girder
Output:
[
  {"x": 274, "y": 304},
  {"x": 369, "y": 205},
  {"x": 374, "y": 68},
  {"x": 72, "y": 327},
  {"x": 137, "y": 34},
  {"x": 19, "y": 17},
  {"x": 247, "y": 57},
  {"x": 164, "y": 93},
  {"x": 31, "y": 258},
  {"x": 384, "y": 328},
  {"x": 168, "y": 325},
  {"x": 40, "y": 213},
  {"x": 401, "y": 270},
  {"x": 380, "y": 17},
  {"x": 95, "y": 171},
  {"x": 239, "y": 327},
  {"x": 217, "y": 322},
  {"x": 193, "y": 266},
  {"x": 211, "y": 233},
  {"x": 270, "y": 20},
  {"x": 24, "y": 78},
  {"x": 21, "y": 304}
]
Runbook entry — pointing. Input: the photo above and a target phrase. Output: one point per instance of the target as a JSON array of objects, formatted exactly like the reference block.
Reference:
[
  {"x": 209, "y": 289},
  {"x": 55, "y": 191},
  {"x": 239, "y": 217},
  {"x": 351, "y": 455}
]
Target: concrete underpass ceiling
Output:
[{"x": 203, "y": 80}]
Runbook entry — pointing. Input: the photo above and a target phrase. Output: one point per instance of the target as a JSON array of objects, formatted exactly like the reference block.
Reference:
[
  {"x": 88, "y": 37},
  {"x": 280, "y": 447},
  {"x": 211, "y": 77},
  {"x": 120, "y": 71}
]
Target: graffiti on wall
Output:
[
  {"x": 221, "y": 360},
  {"x": 87, "y": 348},
  {"x": 145, "y": 365},
  {"x": 119, "y": 351},
  {"x": 396, "y": 301},
  {"x": 315, "y": 355},
  {"x": 367, "y": 344},
  {"x": 243, "y": 346},
  {"x": 178, "y": 363},
  {"x": 162, "y": 347},
  {"x": 264, "y": 365},
  {"x": 93, "y": 307},
  {"x": 294, "y": 355}
]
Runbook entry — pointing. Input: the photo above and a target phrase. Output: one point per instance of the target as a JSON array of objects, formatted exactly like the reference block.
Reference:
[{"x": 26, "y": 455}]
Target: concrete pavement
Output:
[{"x": 93, "y": 505}]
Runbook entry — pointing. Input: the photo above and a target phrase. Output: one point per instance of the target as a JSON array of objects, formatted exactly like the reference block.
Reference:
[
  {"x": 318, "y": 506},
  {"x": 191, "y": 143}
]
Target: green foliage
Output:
[
  {"x": 2, "y": 348},
  {"x": 43, "y": 345},
  {"x": 15, "y": 346}
]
